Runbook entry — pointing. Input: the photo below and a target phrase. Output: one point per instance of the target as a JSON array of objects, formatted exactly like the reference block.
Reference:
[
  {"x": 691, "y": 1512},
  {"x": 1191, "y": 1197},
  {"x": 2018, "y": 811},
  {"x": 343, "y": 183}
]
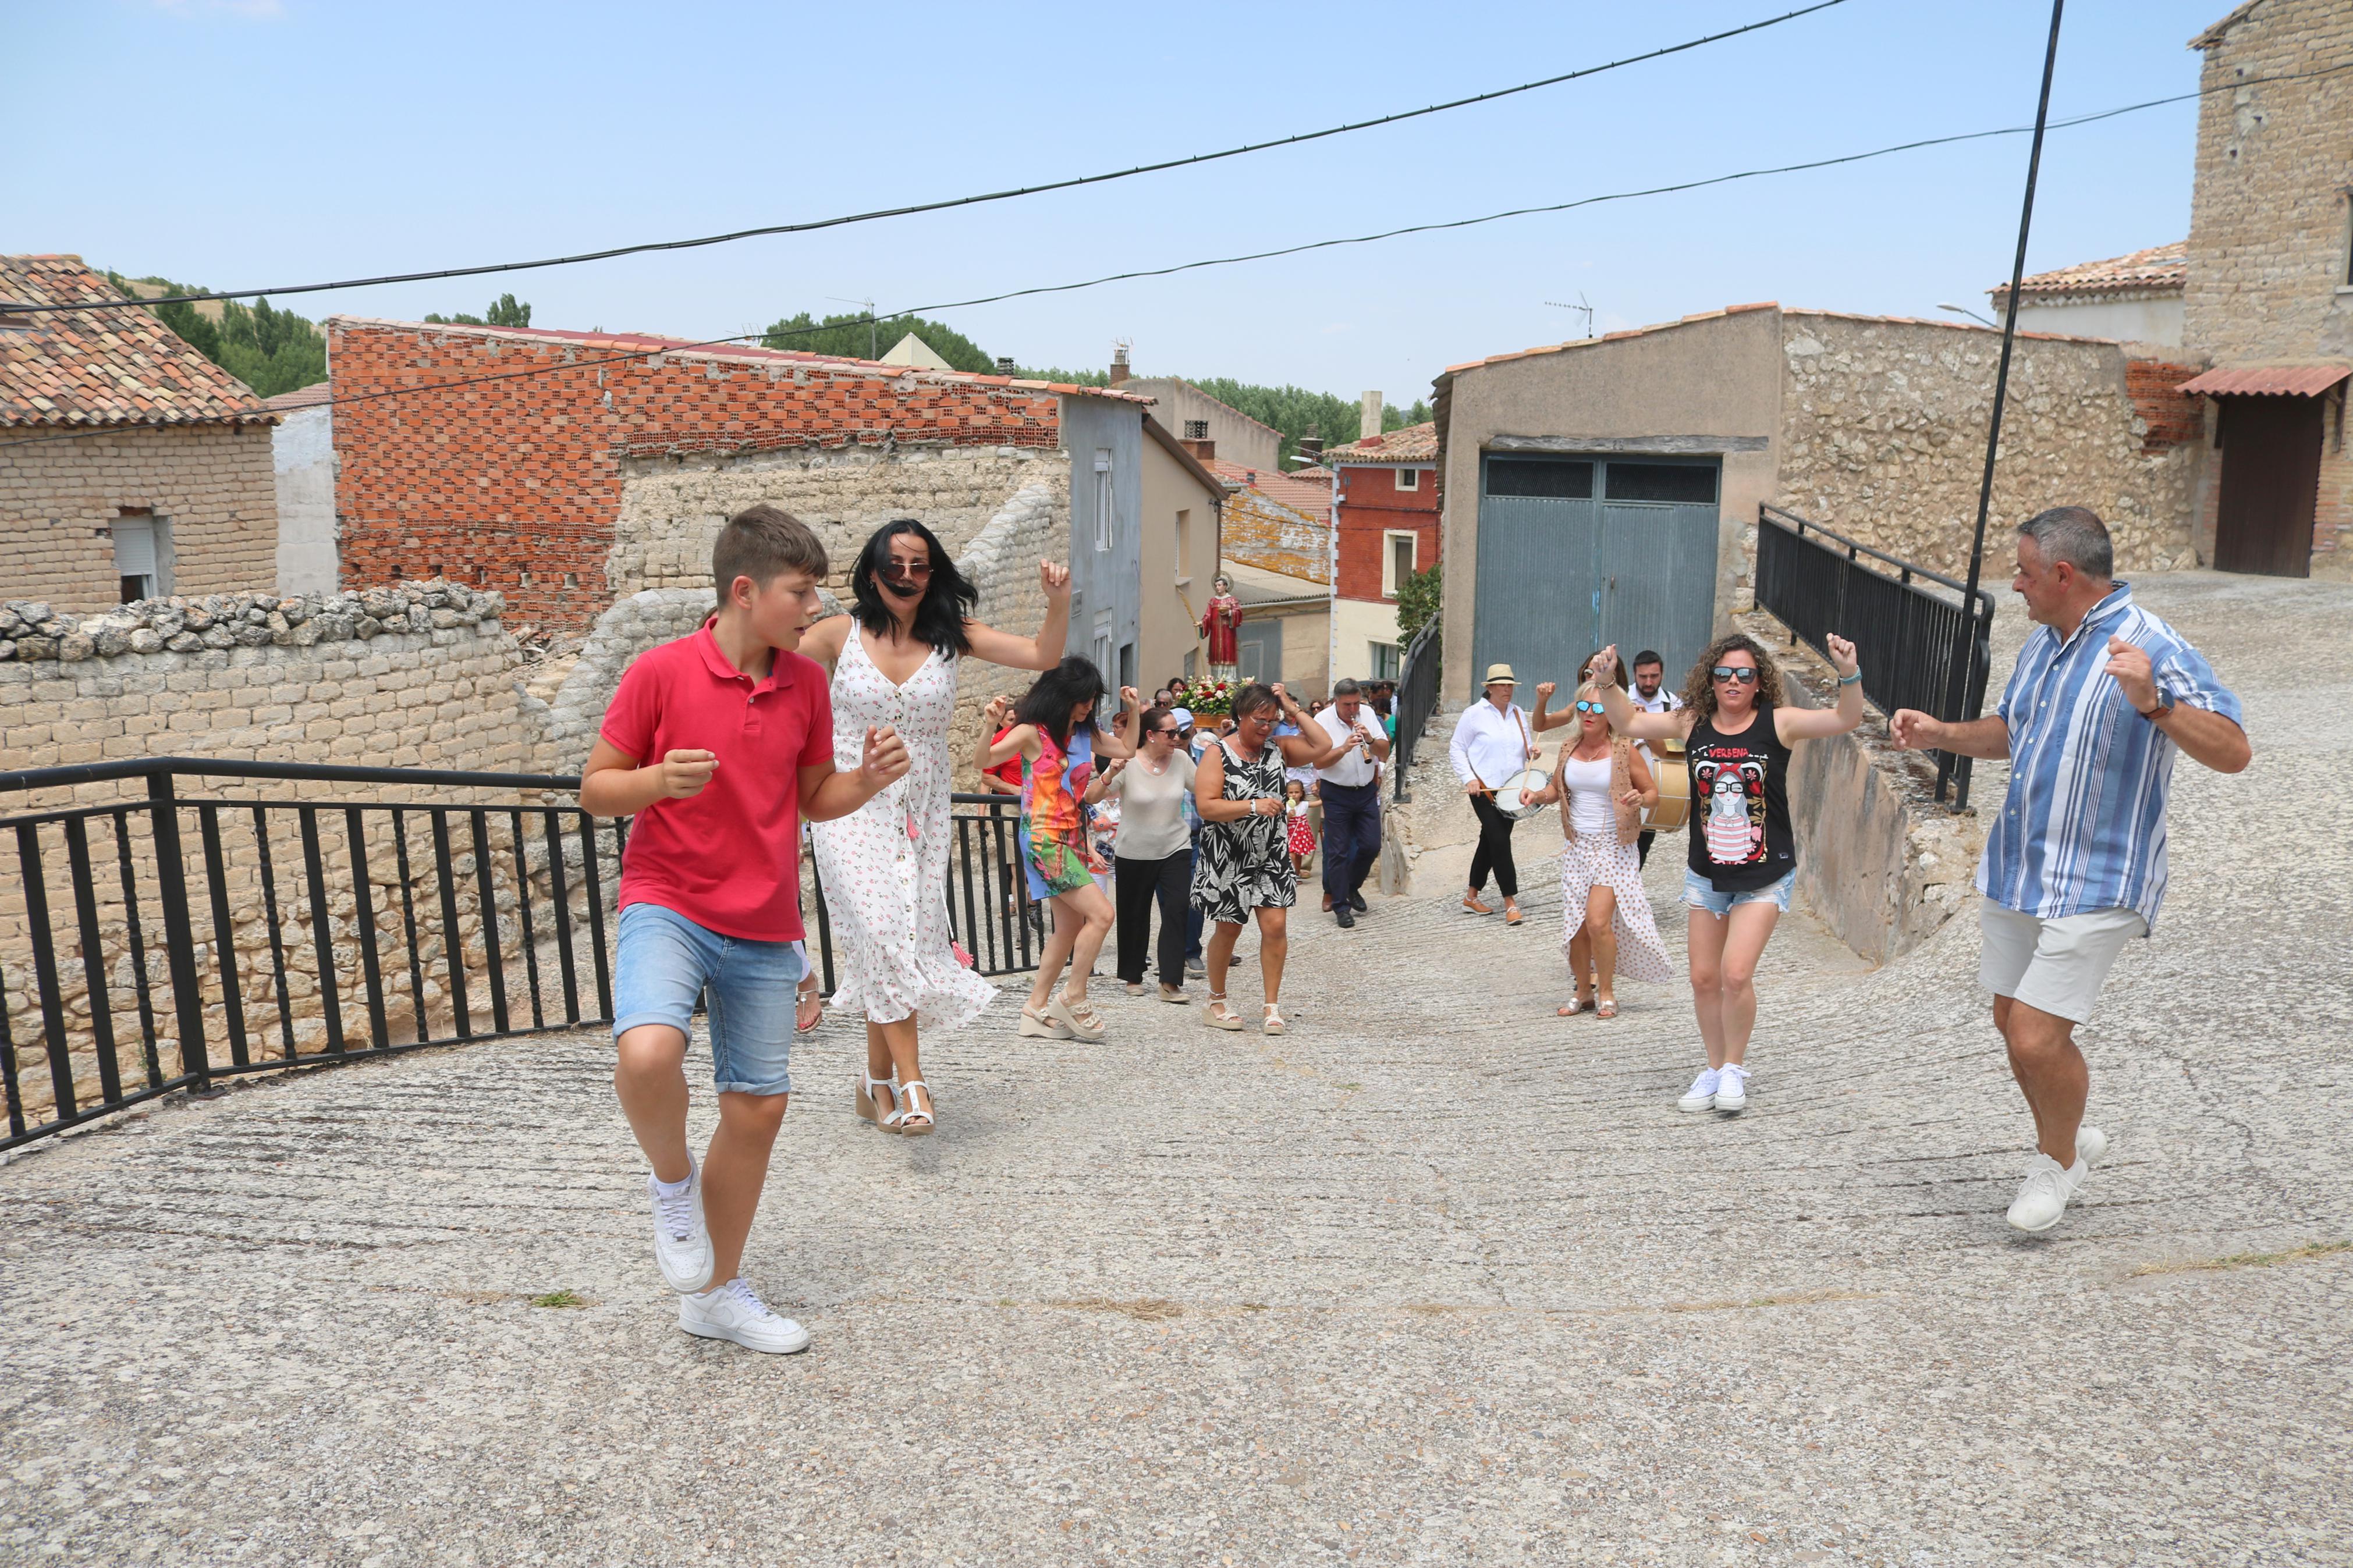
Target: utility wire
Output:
[
  {"x": 667, "y": 348},
  {"x": 943, "y": 206}
]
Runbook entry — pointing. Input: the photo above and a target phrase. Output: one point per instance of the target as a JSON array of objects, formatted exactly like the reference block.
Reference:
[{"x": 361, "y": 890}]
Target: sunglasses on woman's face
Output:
[
  {"x": 912, "y": 571},
  {"x": 1168, "y": 734},
  {"x": 1745, "y": 674},
  {"x": 1584, "y": 706}
]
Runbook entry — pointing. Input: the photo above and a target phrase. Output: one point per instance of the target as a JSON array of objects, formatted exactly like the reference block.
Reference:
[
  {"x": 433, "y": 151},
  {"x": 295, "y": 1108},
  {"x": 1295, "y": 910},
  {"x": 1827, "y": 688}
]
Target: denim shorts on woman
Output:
[
  {"x": 666, "y": 962},
  {"x": 1702, "y": 894}
]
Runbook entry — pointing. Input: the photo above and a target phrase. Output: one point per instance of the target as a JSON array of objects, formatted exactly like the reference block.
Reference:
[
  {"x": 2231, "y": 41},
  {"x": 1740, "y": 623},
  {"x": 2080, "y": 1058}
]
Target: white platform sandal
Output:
[
  {"x": 1217, "y": 1015},
  {"x": 871, "y": 1107},
  {"x": 913, "y": 1123}
]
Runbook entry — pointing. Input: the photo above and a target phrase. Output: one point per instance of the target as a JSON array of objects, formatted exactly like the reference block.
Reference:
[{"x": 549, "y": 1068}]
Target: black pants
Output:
[
  {"x": 1136, "y": 883},
  {"x": 1642, "y": 847},
  {"x": 1352, "y": 838},
  {"x": 1495, "y": 852}
]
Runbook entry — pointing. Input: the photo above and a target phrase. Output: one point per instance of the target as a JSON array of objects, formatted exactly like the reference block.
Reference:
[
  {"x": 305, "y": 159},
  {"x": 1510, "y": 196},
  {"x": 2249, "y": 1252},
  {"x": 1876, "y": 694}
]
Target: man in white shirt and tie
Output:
[
  {"x": 1652, "y": 696},
  {"x": 1491, "y": 743},
  {"x": 1350, "y": 790}
]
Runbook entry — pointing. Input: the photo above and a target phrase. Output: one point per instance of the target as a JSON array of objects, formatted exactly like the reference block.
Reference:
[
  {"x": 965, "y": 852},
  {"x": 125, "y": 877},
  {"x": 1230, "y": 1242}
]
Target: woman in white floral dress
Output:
[{"x": 885, "y": 866}]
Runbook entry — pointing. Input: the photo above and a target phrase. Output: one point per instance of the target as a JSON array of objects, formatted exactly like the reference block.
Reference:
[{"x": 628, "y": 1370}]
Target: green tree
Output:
[
  {"x": 1419, "y": 597},
  {"x": 1294, "y": 411},
  {"x": 505, "y": 310},
  {"x": 269, "y": 350},
  {"x": 858, "y": 336}
]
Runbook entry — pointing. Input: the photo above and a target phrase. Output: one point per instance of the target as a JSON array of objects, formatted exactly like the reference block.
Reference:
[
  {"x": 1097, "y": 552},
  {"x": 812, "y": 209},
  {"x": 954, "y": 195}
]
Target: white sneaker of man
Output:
[
  {"x": 1732, "y": 1089},
  {"x": 1701, "y": 1095},
  {"x": 682, "y": 1241},
  {"x": 733, "y": 1313},
  {"x": 2042, "y": 1201}
]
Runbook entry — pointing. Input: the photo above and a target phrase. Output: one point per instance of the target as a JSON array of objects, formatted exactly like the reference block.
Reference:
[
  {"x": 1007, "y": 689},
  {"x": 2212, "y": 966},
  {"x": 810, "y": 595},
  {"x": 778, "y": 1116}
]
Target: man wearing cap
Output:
[
  {"x": 1350, "y": 790},
  {"x": 1492, "y": 742}
]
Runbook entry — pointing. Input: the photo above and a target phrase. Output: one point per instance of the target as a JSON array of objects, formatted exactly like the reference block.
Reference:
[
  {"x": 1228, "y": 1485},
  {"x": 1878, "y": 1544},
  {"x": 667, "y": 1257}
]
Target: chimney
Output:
[
  {"x": 1369, "y": 423},
  {"x": 1204, "y": 450},
  {"x": 1311, "y": 448},
  {"x": 1005, "y": 365},
  {"x": 1118, "y": 363}
]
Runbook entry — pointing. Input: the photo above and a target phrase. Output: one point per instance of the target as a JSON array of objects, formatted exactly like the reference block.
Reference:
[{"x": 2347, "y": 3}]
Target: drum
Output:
[
  {"x": 1674, "y": 779},
  {"x": 1513, "y": 796}
]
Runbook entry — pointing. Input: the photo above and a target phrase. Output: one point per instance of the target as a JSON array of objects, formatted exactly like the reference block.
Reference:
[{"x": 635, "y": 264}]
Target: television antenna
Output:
[
  {"x": 873, "y": 349},
  {"x": 1581, "y": 305}
]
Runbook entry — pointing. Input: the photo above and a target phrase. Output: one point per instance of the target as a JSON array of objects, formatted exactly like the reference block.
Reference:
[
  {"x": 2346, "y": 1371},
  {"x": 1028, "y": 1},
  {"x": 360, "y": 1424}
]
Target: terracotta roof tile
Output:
[
  {"x": 2276, "y": 381},
  {"x": 1414, "y": 444},
  {"x": 103, "y": 367},
  {"x": 2161, "y": 268},
  {"x": 1307, "y": 497},
  {"x": 308, "y": 396}
]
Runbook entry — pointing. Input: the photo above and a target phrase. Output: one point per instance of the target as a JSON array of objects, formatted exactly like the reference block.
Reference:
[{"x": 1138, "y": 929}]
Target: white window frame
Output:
[
  {"x": 1105, "y": 499},
  {"x": 1390, "y": 581},
  {"x": 156, "y": 550},
  {"x": 1103, "y": 651},
  {"x": 1408, "y": 479},
  {"x": 1395, "y": 660}
]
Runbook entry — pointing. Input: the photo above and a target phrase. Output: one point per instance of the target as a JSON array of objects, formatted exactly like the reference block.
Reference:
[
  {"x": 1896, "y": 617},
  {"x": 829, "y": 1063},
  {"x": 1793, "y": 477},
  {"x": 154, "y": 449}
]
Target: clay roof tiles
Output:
[
  {"x": 2161, "y": 268},
  {"x": 1414, "y": 444},
  {"x": 103, "y": 367},
  {"x": 1304, "y": 496}
]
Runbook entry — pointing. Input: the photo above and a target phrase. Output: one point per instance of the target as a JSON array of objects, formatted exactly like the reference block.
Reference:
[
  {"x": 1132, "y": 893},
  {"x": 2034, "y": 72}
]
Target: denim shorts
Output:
[
  {"x": 1702, "y": 894},
  {"x": 666, "y": 962}
]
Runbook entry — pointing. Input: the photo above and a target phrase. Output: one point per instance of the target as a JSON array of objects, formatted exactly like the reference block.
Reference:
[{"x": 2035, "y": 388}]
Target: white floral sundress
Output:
[{"x": 885, "y": 866}]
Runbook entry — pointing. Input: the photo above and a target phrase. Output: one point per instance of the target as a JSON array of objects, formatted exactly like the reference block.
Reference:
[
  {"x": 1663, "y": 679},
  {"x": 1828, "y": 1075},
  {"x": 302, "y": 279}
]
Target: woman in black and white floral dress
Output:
[{"x": 1243, "y": 865}]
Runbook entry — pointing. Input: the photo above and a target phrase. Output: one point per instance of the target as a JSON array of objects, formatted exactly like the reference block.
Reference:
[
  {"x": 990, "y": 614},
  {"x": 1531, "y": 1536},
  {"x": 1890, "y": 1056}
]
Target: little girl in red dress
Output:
[{"x": 1303, "y": 832}]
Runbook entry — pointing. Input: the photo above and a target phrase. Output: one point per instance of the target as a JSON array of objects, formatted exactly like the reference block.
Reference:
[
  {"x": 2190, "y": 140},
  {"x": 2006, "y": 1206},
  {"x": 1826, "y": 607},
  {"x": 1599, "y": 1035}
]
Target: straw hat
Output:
[{"x": 1500, "y": 673}]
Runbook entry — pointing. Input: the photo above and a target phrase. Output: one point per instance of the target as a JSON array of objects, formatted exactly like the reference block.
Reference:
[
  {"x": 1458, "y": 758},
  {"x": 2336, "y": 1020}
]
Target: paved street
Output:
[{"x": 1437, "y": 1278}]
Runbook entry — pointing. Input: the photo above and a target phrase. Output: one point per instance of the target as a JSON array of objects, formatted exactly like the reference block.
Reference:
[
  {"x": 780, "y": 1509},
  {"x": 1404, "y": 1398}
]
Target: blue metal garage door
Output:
[{"x": 1574, "y": 552}]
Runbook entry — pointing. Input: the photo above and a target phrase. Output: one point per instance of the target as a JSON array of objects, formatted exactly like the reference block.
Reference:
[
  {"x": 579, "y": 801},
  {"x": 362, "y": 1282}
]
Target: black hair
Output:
[
  {"x": 1049, "y": 701},
  {"x": 949, "y": 598},
  {"x": 1648, "y": 655}
]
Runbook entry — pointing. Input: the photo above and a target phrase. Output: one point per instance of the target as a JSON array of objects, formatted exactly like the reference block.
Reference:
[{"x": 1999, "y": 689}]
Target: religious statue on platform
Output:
[{"x": 1221, "y": 624}]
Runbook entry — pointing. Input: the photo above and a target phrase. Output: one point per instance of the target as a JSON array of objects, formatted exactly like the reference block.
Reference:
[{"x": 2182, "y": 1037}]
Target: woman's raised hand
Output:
[
  {"x": 998, "y": 710},
  {"x": 1604, "y": 666},
  {"x": 1841, "y": 653},
  {"x": 1055, "y": 579}
]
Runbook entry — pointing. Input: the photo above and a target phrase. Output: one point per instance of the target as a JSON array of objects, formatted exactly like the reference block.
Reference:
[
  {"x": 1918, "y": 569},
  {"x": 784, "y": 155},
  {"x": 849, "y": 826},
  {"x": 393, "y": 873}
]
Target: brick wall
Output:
[
  {"x": 518, "y": 484},
  {"x": 2332, "y": 527},
  {"x": 2267, "y": 229},
  {"x": 1883, "y": 437},
  {"x": 215, "y": 483},
  {"x": 1372, "y": 508},
  {"x": 1265, "y": 533},
  {"x": 2171, "y": 418}
]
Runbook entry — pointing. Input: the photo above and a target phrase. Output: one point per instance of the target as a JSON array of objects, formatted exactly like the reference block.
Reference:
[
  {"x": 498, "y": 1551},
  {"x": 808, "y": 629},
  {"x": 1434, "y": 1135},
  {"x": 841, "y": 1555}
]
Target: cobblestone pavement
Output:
[{"x": 1437, "y": 1278}]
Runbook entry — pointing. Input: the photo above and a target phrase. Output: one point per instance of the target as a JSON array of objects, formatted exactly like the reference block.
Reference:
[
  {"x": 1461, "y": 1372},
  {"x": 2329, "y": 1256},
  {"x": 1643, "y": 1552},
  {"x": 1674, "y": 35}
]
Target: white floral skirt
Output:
[{"x": 1590, "y": 861}]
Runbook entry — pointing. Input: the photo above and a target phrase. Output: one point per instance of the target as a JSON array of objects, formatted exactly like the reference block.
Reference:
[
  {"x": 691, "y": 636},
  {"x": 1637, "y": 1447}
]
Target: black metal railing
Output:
[
  {"x": 1417, "y": 698},
  {"x": 1816, "y": 582},
  {"x": 155, "y": 941}
]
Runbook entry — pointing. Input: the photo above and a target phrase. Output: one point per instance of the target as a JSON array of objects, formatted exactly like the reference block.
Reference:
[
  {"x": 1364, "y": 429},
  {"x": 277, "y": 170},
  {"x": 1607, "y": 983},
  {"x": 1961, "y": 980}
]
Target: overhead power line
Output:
[
  {"x": 769, "y": 337},
  {"x": 913, "y": 208}
]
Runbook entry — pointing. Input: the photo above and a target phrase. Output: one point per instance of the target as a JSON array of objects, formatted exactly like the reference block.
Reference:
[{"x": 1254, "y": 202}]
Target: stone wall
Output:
[
  {"x": 1882, "y": 438},
  {"x": 671, "y": 509},
  {"x": 2268, "y": 227},
  {"x": 212, "y": 484}
]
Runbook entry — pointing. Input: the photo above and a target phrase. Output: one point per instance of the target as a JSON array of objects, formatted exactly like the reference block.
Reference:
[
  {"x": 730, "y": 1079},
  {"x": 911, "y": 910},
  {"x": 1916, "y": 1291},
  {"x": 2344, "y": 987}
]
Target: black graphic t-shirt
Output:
[{"x": 1740, "y": 838}]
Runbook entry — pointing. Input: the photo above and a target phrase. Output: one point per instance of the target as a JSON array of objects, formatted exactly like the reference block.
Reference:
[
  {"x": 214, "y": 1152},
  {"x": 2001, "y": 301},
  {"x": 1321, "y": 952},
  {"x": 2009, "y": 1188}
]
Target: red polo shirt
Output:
[{"x": 729, "y": 859}]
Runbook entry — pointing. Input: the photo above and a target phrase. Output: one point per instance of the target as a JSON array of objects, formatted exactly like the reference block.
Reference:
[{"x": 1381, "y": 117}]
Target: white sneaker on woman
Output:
[
  {"x": 733, "y": 1313},
  {"x": 1732, "y": 1089},
  {"x": 1701, "y": 1095},
  {"x": 682, "y": 1241}
]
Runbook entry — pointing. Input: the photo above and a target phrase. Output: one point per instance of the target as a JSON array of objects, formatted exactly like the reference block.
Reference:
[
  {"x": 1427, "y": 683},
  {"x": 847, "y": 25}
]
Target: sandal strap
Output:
[{"x": 912, "y": 1109}]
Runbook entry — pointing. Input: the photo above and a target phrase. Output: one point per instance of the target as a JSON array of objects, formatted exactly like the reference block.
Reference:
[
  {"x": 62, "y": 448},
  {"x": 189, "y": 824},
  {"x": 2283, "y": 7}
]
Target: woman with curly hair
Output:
[{"x": 1737, "y": 732}]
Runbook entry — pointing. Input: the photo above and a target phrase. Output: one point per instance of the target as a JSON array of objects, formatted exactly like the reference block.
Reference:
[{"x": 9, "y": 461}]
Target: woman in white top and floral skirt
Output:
[{"x": 1603, "y": 788}]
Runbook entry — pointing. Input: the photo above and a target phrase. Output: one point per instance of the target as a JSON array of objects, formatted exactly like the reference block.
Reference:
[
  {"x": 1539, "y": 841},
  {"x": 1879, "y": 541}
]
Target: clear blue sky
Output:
[{"x": 242, "y": 144}]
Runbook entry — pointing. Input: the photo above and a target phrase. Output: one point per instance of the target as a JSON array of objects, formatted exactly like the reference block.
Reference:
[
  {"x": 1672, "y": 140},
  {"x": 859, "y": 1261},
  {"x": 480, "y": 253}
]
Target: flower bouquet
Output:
[{"x": 1212, "y": 699}]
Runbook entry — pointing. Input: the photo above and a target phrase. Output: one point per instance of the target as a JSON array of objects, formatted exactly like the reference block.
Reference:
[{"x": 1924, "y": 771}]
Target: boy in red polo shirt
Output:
[{"x": 719, "y": 744}]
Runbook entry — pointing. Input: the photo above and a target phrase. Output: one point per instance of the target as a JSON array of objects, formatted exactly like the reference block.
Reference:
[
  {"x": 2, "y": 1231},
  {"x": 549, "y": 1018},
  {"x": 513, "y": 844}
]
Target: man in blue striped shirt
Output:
[{"x": 2103, "y": 695}]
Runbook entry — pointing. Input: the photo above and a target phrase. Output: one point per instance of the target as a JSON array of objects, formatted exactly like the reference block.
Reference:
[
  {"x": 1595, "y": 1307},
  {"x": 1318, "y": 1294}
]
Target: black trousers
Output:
[
  {"x": 1136, "y": 883},
  {"x": 1352, "y": 837},
  {"x": 1494, "y": 851},
  {"x": 1642, "y": 847}
]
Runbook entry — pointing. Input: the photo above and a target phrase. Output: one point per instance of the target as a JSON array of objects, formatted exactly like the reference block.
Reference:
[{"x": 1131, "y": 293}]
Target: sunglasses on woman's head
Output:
[{"x": 1745, "y": 674}]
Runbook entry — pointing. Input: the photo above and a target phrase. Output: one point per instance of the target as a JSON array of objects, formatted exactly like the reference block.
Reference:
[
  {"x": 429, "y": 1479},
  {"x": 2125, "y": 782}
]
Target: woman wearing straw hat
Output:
[{"x": 1492, "y": 742}]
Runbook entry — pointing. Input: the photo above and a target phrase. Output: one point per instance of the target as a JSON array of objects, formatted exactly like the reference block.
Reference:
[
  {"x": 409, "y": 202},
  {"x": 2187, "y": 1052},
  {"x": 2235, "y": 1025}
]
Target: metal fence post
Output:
[{"x": 179, "y": 931}]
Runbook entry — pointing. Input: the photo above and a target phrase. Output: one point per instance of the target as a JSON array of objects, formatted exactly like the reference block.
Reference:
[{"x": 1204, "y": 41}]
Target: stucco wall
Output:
[
  {"x": 1239, "y": 437},
  {"x": 1166, "y": 631},
  {"x": 2155, "y": 321},
  {"x": 1717, "y": 375},
  {"x": 672, "y": 508},
  {"x": 213, "y": 483},
  {"x": 1360, "y": 623},
  {"x": 302, "y": 453},
  {"x": 1882, "y": 438}
]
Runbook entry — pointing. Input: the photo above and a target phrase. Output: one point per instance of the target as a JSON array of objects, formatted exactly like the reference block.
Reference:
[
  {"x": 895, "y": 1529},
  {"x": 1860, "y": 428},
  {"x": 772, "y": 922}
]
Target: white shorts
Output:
[{"x": 2053, "y": 966}]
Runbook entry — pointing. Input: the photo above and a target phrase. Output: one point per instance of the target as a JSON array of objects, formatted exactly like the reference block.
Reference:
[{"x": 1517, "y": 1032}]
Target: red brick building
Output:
[
  {"x": 1388, "y": 513},
  {"x": 503, "y": 458}
]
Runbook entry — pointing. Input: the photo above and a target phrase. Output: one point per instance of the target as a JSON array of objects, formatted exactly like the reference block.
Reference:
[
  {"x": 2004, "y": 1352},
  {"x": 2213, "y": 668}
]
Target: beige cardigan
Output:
[{"x": 1622, "y": 769}]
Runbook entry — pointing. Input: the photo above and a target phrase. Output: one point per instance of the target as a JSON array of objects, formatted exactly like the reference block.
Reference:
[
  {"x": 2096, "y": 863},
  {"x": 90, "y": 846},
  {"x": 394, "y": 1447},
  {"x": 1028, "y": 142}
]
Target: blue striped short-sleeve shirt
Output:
[{"x": 2082, "y": 827}]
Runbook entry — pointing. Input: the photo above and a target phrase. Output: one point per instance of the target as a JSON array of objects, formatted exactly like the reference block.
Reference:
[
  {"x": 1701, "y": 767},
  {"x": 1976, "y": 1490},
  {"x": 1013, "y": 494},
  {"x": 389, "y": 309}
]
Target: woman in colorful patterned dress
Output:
[
  {"x": 1055, "y": 735},
  {"x": 885, "y": 866}
]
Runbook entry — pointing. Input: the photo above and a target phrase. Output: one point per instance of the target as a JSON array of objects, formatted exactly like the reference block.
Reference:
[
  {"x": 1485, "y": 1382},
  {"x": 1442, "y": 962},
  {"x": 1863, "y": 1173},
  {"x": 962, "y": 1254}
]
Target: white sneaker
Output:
[
  {"x": 734, "y": 1312},
  {"x": 2043, "y": 1201},
  {"x": 682, "y": 1241},
  {"x": 1701, "y": 1095},
  {"x": 1732, "y": 1089},
  {"x": 2091, "y": 1148}
]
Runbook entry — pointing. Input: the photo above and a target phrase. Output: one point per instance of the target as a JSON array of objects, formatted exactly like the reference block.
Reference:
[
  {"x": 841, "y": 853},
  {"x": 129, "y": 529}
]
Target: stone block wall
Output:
[
  {"x": 213, "y": 484},
  {"x": 672, "y": 508},
  {"x": 1882, "y": 438},
  {"x": 2268, "y": 227}
]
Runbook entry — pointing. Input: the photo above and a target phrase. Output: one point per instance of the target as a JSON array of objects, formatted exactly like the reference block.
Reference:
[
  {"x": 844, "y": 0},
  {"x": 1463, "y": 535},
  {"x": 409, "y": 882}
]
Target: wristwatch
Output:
[{"x": 2163, "y": 706}]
